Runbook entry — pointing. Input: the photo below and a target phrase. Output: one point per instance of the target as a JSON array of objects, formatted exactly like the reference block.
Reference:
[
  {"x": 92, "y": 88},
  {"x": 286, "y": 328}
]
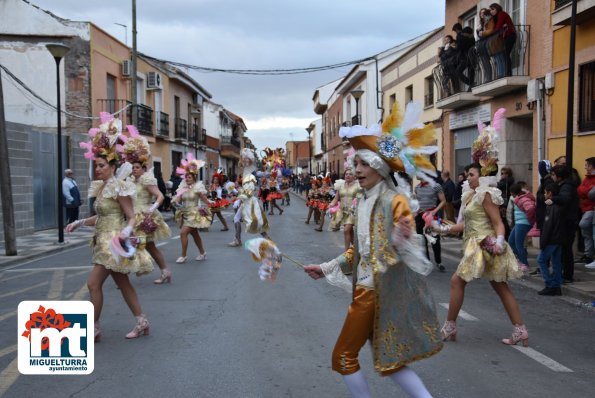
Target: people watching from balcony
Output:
[
  {"x": 448, "y": 56},
  {"x": 486, "y": 23},
  {"x": 504, "y": 28},
  {"x": 464, "y": 42}
]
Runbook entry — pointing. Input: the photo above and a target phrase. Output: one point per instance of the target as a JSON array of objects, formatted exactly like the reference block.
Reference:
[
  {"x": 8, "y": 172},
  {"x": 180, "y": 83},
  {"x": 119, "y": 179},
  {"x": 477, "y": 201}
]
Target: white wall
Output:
[
  {"x": 32, "y": 63},
  {"x": 211, "y": 119}
]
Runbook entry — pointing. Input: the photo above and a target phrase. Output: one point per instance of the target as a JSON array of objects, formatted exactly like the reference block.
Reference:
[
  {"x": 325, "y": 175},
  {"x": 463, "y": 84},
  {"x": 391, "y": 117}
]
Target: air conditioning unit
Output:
[
  {"x": 126, "y": 67},
  {"x": 154, "y": 80}
]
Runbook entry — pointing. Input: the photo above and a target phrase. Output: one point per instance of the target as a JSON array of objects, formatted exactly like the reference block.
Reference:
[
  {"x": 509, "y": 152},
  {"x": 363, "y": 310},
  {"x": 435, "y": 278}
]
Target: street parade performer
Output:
[
  {"x": 486, "y": 253},
  {"x": 248, "y": 208},
  {"x": 391, "y": 302},
  {"x": 218, "y": 194},
  {"x": 150, "y": 224},
  {"x": 191, "y": 216},
  {"x": 114, "y": 220}
]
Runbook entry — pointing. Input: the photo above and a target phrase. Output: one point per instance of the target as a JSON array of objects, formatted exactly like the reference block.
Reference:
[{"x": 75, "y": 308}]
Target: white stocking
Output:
[
  {"x": 409, "y": 381},
  {"x": 357, "y": 384}
]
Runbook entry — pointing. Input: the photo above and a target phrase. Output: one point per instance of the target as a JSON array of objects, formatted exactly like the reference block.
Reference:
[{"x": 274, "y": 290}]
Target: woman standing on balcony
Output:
[{"x": 505, "y": 28}]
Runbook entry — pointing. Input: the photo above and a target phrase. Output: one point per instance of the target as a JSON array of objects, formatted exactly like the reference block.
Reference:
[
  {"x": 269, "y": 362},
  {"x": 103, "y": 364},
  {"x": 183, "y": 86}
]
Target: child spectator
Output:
[
  {"x": 523, "y": 211},
  {"x": 550, "y": 242}
]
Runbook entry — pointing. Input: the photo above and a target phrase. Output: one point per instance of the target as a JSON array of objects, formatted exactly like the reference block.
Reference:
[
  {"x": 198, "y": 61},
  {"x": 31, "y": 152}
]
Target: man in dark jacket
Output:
[
  {"x": 550, "y": 242},
  {"x": 568, "y": 201}
]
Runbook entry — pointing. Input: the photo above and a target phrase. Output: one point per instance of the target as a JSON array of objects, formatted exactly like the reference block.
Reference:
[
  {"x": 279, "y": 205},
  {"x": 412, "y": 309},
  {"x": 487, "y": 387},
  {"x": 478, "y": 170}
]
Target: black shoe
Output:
[
  {"x": 585, "y": 259},
  {"x": 441, "y": 267},
  {"x": 550, "y": 291},
  {"x": 567, "y": 281},
  {"x": 537, "y": 271}
]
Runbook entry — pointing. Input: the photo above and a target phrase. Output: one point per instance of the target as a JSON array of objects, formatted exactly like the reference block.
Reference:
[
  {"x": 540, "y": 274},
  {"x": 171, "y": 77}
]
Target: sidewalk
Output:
[
  {"x": 583, "y": 288},
  {"x": 42, "y": 243}
]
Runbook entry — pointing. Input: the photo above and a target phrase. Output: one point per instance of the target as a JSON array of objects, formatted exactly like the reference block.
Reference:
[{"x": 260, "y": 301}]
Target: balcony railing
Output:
[
  {"x": 562, "y": 3},
  {"x": 487, "y": 61},
  {"x": 144, "y": 118},
  {"x": 163, "y": 125},
  {"x": 111, "y": 105},
  {"x": 429, "y": 99},
  {"x": 231, "y": 140},
  {"x": 180, "y": 129},
  {"x": 202, "y": 138}
]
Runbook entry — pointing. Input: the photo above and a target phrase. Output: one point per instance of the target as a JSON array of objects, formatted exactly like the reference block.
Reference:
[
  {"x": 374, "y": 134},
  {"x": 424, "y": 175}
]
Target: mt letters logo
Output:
[{"x": 56, "y": 337}]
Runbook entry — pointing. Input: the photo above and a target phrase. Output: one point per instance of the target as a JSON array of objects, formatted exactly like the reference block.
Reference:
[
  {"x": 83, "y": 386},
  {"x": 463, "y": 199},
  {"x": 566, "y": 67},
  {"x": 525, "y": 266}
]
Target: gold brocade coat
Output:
[{"x": 405, "y": 328}]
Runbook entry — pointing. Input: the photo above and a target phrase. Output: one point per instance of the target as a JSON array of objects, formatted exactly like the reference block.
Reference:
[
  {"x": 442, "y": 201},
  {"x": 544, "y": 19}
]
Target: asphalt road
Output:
[{"x": 218, "y": 331}]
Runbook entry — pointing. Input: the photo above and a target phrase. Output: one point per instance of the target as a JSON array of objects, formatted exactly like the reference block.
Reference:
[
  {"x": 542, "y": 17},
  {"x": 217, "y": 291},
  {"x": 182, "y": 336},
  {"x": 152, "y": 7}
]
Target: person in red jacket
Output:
[
  {"x": 504, "y": 27},
  {"x": 524, "y": 218},
  {"x": 587, "y": 207}
]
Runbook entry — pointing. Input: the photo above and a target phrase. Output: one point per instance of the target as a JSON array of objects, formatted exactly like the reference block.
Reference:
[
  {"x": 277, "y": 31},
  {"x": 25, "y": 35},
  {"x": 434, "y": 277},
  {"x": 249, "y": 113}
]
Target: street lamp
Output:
[
  {"x": 58, "y": 51},
  {"x": 357, "y": 95}
]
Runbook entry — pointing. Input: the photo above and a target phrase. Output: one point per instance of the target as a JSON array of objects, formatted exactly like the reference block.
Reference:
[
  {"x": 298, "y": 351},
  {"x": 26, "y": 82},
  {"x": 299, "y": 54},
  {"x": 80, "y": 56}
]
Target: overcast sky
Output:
[{"x": 261, "y": 34}]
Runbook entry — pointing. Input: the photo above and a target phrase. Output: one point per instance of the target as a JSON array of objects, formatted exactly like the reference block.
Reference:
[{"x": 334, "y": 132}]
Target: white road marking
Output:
[
  {"x": 8, "y": 350},
  {"x": 161, "y": 244},
  {"x": 176, "y": 237},
  {"x": 462, "y": 314},
  {"x": 85, "y": 267},
  {"x": 3, "y": 279},
  {"x": 542, "y": 359},
  {"x": 80, "y": 294},
  {"x": 7, "y": 315},
  {"x": 8, "y": 376},
  {"x": 56, "y": 285}
]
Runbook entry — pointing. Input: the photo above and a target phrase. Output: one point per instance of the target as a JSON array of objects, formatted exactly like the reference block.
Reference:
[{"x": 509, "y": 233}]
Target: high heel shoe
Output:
[
  {"x": 181, "y": 259},
  {"x": 142, "y": 326},
  {"x": 164, "y": 278},
  {"x": 449, "y": 331},
  {"x": 519, "y": 333},
  {"x": 97, "y": 332},
  {"x": 202, "y": 257}
]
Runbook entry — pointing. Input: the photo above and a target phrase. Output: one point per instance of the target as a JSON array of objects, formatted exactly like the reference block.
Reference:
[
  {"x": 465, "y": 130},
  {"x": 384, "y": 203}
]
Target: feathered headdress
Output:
[
  {"x": 136, "y": 148},
  {"x": 104, "y": 141},
  {"x": 349, "y": 159},
  {"x": 485, "y": 147},
  {"x": 403, "y": 142},
  {"x": 190, "y": 165}
]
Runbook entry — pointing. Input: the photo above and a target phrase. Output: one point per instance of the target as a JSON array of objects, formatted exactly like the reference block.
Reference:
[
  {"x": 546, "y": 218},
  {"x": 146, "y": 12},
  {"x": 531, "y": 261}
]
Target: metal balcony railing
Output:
[
  {"x": 429, "y": 99},
  {"x": 202, "y": 138},
  {"x": 231, "y": 140},
  {"x": 561, "y": 3},
  {"x": 144, "y": 118},
  {"x": 163, "y": 125},
  {"x": 112, "y": 105},
  {"x": 180, "y": 129},
  {"x": 487, "y": 61}
]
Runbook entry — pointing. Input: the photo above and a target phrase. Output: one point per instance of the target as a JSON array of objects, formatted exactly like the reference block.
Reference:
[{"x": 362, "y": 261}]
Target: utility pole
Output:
[
  {"x": 10, "y": 242},
  {"x": 570, "y": 105},
  {"x": 134, "y": 111}
]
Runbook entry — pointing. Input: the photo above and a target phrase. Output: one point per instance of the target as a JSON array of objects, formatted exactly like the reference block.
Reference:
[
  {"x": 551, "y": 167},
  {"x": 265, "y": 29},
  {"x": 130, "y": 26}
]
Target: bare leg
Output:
[
  {"x": 509, "y": 302},
  {"x": 128, "y": 292},
  {"x": 322, "y": 216},
  {"x": 274, "y": 203},
  {"x": 348, "y": 235},
  {"x": 310, "y": 211},
  {"x": 184, "y": 239},
  {"x": 457, "y": 295},
  {"x": 197, "y": 240},
  {"x": 222, "y": 219},
  {"x": 95, "y": 281},
  {"x": 157, "y": 255}
]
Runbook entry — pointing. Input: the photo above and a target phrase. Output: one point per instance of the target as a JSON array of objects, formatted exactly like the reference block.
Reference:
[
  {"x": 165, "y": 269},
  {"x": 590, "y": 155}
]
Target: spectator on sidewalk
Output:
[
  {"x": 544, "y": 168},
  {"x": 568, "y": 201},
  {"x": 523, "y": 205},
  {"x": 456, "y": 200},
  {"x": 504, "y": 184},
  {"x": 72, "y": 196},
  {"x": 586, "y": 223},
  {"x": 449, "y": 189},
  {"x": 431, "y": 199},
  {"x": 550, "y": 242}
]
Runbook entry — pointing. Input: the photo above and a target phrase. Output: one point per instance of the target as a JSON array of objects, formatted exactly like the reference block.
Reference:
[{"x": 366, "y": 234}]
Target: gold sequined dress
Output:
[
  {"x": 191, "y": 214},
  {"x": 110, "y": 221},
  {"x": 144, "y": 200},
  {"x": 476, "y": 262},
  {"x": 347, "y": 194}
]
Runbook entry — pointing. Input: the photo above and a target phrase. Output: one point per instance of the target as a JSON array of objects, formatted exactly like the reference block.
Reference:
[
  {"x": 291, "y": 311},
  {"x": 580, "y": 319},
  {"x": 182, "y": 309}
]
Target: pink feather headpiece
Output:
[
  {"x": 189, "y": 165},
  {"x": 105, "y": 140}
]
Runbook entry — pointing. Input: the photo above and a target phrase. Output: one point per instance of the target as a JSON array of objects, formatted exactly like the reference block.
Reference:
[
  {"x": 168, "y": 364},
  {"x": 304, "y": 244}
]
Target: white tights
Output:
[{"x": 406, "y": 378}]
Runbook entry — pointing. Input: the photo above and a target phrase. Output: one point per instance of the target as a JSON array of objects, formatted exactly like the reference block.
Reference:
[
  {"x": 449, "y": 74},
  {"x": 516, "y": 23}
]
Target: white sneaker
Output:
[{"x": 591, "y": 265}]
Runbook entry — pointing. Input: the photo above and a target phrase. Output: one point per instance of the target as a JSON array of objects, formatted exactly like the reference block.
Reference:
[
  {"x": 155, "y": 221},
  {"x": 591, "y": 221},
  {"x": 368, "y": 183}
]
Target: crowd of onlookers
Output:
[{"x": 493, "y": 41}]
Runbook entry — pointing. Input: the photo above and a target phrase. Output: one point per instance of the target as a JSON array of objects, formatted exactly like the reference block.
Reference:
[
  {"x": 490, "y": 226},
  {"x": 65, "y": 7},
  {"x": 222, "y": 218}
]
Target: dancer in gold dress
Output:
[
  {"x": 114, "y": 219},
  {"x": 486, "y": 253},
  {"x": 346, "y": 195},
  {"x": 191, "y": 216}
]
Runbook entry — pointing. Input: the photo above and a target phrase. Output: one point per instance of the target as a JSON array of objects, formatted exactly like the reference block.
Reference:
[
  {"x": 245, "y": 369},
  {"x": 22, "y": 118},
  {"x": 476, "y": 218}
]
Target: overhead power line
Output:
[{"x": 264, "y": 72}]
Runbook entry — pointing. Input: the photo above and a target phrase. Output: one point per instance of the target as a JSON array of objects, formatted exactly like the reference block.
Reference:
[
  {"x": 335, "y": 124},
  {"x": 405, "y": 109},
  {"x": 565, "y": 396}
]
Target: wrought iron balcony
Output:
[
  {"x": 231, "y": 140},
  {"x": 144, "y": 118},
  {"x": 180, "y": 129},
  {"x": 562, "y": 3},
  {"x": 163, "y": 125},
  {"x": 429, "y": 99}
]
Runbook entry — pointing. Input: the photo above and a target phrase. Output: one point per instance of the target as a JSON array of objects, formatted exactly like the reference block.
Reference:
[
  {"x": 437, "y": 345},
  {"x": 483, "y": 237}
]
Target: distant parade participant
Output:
[
  {"x": 345, "y": 197},
  {"x": 312, "y": 202},
  {"x": 392, "y": 306},
  {"x": 325, "y": 198},
  {"x": 274, "y": 193},
  {"x": 114, "y": 222},
  {"x": 150, "y": 224},
  {"x": 218, "y": 196},
  {"x": 285, "y": 186},
  {"x": 191, "y": 216},
  {"x": 249, "y": 211},
  {"x": 263, "y": 192}
]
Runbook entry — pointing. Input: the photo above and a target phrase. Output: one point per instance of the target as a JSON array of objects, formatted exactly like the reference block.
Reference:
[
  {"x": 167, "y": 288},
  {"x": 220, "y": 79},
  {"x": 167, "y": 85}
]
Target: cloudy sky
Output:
[{"x": 261, "y": 34}]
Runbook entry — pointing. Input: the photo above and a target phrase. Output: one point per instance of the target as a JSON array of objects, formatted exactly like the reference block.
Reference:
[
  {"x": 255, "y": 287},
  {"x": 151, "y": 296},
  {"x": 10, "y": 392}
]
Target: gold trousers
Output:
[{"x": 357, "y": 329}]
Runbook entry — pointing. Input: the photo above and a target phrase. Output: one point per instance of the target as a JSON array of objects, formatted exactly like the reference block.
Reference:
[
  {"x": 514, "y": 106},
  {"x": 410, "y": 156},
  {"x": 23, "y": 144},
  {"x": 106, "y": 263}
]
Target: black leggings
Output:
[{"x": 419, "y": 226}]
